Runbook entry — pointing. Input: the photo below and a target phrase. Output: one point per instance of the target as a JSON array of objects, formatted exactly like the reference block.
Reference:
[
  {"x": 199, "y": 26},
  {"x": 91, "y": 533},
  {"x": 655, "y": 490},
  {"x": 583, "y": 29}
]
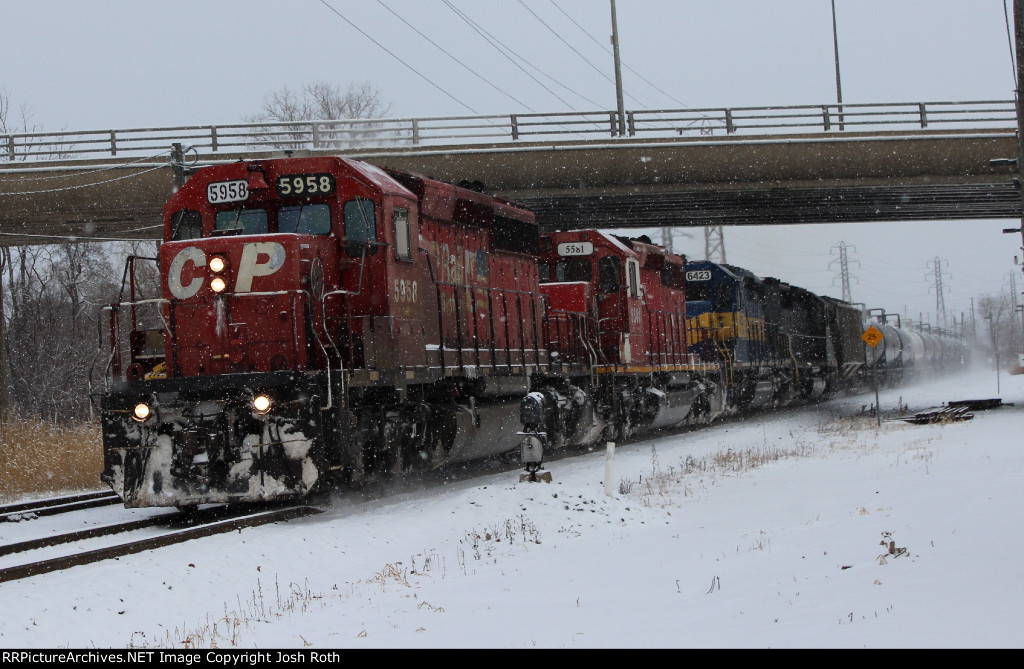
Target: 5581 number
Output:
[{"x": 300, "y": 185}]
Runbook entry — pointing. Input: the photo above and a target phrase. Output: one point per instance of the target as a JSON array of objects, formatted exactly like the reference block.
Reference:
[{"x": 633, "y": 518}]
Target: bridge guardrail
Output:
[{"x": 364, "y": 134}]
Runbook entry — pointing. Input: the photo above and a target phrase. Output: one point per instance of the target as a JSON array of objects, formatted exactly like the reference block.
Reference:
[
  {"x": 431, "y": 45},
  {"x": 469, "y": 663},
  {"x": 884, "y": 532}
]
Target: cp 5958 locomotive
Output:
[{"x": 322, "y": 319}]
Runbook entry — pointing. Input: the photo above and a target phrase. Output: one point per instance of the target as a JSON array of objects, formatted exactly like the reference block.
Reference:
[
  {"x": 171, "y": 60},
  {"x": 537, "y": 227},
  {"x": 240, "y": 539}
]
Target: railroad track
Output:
[
  {"x": 55, "y": 505},
  {"x": 180, "y": 527}
]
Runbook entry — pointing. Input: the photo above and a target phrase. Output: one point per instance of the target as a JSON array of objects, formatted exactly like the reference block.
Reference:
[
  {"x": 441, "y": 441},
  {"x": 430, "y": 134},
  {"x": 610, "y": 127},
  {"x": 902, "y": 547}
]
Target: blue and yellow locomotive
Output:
[{"x": 777, "y": 343}]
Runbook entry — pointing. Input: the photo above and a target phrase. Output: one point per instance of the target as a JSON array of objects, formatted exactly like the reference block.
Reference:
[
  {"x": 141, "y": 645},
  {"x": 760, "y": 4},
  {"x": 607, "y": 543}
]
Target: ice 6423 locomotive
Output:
[{"x": 322, "y": 319}]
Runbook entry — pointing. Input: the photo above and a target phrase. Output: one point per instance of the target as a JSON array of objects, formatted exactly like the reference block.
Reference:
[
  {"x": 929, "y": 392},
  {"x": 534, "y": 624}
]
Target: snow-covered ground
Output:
[{"x": 768, "y": 532}]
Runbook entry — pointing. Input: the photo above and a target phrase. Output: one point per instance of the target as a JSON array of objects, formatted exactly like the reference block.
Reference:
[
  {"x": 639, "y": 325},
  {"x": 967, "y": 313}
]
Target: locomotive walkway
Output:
[{"x": 692, "y": 167}]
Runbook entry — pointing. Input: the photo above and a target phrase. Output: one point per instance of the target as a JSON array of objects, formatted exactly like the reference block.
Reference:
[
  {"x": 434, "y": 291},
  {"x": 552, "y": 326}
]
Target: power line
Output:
[
  {"x": 393, "y": 55},
  {"x": 73, "y": 172},
  {"x": 598, "y": 42},
  {"x": 505, "y": 51},
  {"x": 445, "y": 52},
  {"x": 98, "y": 183},
  {"x": 574, "y": 49}
]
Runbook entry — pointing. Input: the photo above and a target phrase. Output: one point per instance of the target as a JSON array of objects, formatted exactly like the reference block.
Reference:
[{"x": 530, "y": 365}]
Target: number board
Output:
[
  {"x": 698, "y": 275},
  {"x": 567, "y": 249},
  {"x": 305, "y": 185},
  {"x": 227, "y": 191}
]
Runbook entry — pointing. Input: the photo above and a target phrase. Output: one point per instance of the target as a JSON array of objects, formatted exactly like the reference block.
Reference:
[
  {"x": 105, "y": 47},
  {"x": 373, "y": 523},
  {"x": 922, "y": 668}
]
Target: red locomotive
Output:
[
  {"x": 320, "y": 318},
  {"x": 617, "y": 313},
  {"x": 324, "y": 320}
]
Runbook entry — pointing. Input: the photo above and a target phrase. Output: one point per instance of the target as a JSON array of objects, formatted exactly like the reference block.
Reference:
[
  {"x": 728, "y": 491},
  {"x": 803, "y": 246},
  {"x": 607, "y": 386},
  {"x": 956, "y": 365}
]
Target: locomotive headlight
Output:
[
  {"x": 141, "y": 412},
  {"x": 261, "y": 404},
  {"x": 218, "y": 284},
  {"x": 217, "y": 264}
]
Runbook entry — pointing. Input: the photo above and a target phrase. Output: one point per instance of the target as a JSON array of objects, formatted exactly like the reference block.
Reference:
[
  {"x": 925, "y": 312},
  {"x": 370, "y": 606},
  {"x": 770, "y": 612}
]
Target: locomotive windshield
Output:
[
  {"x": 563, "y": 271},
  {"x": 308, "y": 219},
  {"x": 248, "y": 221}
]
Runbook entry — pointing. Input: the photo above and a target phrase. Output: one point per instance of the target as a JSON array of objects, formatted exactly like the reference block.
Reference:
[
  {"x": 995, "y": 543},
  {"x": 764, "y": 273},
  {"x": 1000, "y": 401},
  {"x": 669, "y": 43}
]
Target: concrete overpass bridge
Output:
[{"x": 684, "y": 168}]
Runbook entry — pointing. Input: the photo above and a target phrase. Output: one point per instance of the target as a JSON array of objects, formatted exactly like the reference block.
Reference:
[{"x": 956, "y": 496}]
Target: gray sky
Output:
[{"x": 140, "y": 63}]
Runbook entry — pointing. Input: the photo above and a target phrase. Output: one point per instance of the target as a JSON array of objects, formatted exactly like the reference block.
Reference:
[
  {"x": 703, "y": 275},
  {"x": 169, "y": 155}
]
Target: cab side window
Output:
[
  {"x": 610, "y": 274},
  {"x": 633, "y": 277},
  {"x": 403, "y": 235},
  {"x": 360, "y": 226}
]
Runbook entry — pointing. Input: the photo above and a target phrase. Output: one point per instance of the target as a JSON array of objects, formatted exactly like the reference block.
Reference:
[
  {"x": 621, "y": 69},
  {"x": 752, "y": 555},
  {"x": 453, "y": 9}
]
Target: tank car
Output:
[{"x": 319, "y": 319}]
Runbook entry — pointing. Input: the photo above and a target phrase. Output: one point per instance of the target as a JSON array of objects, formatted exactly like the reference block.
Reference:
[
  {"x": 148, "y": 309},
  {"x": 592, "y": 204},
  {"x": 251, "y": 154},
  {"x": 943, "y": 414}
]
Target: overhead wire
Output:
[
  {"x": 396, "y": 57},
  {"x": 81, "y": 238},
  {"x": 72, "y": 173},
  {"x": 505, "y": 50},
  {"x": 89, "y": 185},
  {"x": 603, "y": 47},
  {"x": 574, "y": 49},
  {"x": 456, "y": 59}
]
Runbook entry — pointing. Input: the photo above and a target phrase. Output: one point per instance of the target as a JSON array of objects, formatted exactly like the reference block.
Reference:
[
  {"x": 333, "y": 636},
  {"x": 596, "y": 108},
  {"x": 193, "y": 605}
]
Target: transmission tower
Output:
[
  {"x": 714, "y": 244},
  {"x": 844, "y": 269},
  {"x": 940, "y": 300},
  {"x": 666, "y": 239},
  {"x": 669, "y": 235}
]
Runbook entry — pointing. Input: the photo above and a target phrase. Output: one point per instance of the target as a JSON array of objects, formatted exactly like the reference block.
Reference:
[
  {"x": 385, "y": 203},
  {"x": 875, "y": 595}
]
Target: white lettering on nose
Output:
[
  {"x": 177, "y": 288},
  {"x": 258, "y": 259}
]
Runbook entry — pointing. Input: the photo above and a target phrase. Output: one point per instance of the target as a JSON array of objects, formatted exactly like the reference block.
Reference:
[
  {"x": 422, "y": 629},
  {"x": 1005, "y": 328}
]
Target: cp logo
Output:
[{"x": 258, "y": 259}]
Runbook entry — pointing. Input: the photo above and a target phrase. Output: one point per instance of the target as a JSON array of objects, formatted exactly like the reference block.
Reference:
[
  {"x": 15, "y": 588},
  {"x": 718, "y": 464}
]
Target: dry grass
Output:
[
  {"x": 662, "y": 485},
  {"x": 39, "y": 458}
]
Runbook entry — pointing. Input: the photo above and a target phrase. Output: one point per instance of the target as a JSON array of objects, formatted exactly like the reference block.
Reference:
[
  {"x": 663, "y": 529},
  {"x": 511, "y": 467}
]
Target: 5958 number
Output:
[
  {"x": 298, "y": 185},
  {"x": 227, "y": 191}
]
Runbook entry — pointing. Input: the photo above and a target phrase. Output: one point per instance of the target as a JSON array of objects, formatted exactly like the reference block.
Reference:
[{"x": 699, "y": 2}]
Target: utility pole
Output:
[
  {"x": 178, "y": 165},
  {"x": 5, "y": 404},
  {"x": 844, "y": 269},
  {"x": 835, "y": 45},
  {"x": 1018, "y": 30},
  {"x": 940, "y": 299},
  {"x": 974, "y": 324},
  {"x": 618, "y": 74},
  {"x": 1013, "y": 305}
]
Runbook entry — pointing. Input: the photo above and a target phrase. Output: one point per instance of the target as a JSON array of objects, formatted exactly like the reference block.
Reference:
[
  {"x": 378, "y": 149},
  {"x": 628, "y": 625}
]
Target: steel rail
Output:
[
  {"x": 176, "y": 537},
  {"x": 55, "y": 505}
]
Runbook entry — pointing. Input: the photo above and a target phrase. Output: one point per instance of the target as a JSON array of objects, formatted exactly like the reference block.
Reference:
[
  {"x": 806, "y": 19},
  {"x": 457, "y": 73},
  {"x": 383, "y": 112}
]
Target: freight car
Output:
[
  {"x": 911, "y": 351},
  {"x": 323, "y": 320}
]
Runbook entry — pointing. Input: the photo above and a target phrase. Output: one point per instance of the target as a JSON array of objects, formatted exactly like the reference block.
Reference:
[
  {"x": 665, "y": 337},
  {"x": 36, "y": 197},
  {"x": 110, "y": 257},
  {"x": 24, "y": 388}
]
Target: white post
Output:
[{"x": 609, "y": 468}]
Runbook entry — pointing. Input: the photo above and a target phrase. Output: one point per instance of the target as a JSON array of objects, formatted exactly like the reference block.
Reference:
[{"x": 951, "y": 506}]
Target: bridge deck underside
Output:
[{"x": 779, "y": 206}]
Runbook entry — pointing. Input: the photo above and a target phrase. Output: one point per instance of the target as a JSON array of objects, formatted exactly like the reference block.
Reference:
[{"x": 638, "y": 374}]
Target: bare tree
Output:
[
  {"x": 26, "y": 146},
  {"x": 53, "y": 297},
  {"x": 321, "y": 101},
  {"x": 305, "y": 115}
]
